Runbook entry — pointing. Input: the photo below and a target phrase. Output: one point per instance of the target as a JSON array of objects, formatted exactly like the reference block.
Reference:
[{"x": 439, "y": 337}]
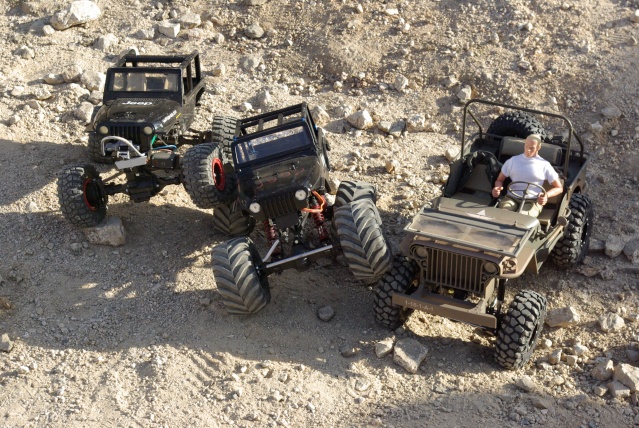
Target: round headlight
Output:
[
  {"x": 147, "y": 130},
  {"x": 490, "y": 268},
  {"x": 103, "y": 130},
  {"x": 255, "y": 208},
  {"x": 301, "y": 194},
  {"x": 421, "y": 252}
]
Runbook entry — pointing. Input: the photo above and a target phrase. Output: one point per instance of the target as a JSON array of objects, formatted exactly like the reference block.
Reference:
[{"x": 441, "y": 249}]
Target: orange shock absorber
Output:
[{"x": 317, "y": 211}]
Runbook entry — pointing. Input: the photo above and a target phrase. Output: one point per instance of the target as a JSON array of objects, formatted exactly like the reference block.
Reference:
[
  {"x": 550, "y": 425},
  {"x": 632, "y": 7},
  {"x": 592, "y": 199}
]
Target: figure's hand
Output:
[
  {"x": 497, "y": 191},
  {"x": 542, "y": 199}
]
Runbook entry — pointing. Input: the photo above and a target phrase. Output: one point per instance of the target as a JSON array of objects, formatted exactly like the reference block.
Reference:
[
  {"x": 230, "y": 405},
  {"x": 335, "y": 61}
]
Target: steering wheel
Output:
[{"x": 520, "y": 195}]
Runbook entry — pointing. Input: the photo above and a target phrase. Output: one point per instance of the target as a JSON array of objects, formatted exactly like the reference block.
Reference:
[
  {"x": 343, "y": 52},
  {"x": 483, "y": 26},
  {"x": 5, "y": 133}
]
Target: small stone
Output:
[
  {"x": 596, "y": 127},
  {"x": 264, "y": 99},
  {"x": 563, "y": 317},
  {"x": 23, "y": 370},
  {"x": 416, "y": 123},
  {"x": 635, "y": 16},
  {"x": 631, "y": 251},
  {"x": 599, "y": 391},
  {"x": 5, "y": 343},
  {"x": 618, "y": 390},
  {"x": 611, "y": 112},
  {"x": 391, "y": 166},
  {"x": 384, "y": 347},
  {"x": 603, "y": 370},
  {"x": 326, "y": 313},
  {"x": 401, "y": 82},
  {"x": 452, "y": 153},
  {"x": 632, "y": 355},
  {"x": 628, "y": 375},
  {"x": 555, "y": 357},
  {"x": 526, "y": 383},
  {"x": 190, "y": 20},
  {"x": 111, "y": 233},
  {"x": 545, "y": 344},
  {"x": 360, "y": 119},
  {"x": 571, "y": 360},
  {"x": 348, "y": 351},
  {"x": 580, "y": 350},
  {"x": 169, "y": 28},
  {"x": 541, "y": 403},
  {"x": 106, "y": 41},
  {"x": 84, "y": 112},
  {"x": 614, "y": 246},
  {"x": 611, "y": 322},
  {"x": 465, "y": 94},
  {"x": 320, "y": 115},
  {"x": 409, "y": 354},
  {"x": 77, "y": 13},
  {"x": 93, "y": 80},
  {"x": 205, "y": 301},
  {"x": 254, "y": 31},
  {"x": 53, "y": 79},
  {"x": 245, "y": 107},
  {"x": 250, "y": 62},
  {"x": 24, "y": 52},
  {"x": 48, "y": 30},
  {"x": 72, "y": 73}
]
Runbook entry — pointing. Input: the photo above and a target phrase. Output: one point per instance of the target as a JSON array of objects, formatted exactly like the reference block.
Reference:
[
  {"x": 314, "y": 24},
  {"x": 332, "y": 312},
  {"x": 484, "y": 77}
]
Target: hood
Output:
[
  {"x": 161, "y": 113},
  {"x": 482, "y": 228}
]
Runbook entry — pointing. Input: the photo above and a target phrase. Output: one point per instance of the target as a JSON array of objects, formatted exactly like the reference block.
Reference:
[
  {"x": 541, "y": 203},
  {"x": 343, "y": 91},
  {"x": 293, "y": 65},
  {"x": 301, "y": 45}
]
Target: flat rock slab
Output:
[
  {"x": 110, "y": 233},
  {"x": 409, "y": 354}
]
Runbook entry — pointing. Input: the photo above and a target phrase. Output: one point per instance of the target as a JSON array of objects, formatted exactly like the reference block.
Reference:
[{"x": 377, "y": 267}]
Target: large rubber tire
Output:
[
  {"x": 222, "y": 133},
  {"x": 81, "y": 196},
  {"x": 232, "y": 221},
  {"x": 350, "y": 191},
  {"x": 517, "y": 124},
  {"x": 520, "y": 330},
  {"x": 399, "y": 279},
  {"x": 242, "y": 289},
  {"x": 207, "y": 180},
  {"x": 95, "y": 150},
  {"x": 362, "y": 241},
  {"x": 571, "y": 249}
]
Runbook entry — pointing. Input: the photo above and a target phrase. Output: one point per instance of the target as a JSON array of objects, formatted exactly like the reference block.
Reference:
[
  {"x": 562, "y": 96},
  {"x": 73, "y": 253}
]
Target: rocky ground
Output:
[{"x": 136, "y": 335}]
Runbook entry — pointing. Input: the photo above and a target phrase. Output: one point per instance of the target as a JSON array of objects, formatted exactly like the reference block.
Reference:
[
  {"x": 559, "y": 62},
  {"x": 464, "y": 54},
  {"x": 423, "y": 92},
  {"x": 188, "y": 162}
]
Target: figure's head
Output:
[{"x": 532, "y": 144}]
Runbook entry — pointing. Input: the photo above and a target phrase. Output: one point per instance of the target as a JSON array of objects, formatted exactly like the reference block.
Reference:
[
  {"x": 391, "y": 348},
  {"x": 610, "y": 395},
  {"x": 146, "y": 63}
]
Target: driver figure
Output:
[{"x": 528, "y": 167}]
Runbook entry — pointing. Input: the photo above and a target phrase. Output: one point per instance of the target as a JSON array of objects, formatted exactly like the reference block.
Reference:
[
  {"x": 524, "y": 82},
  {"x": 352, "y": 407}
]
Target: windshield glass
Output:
[
  {"x": 272, "y": 144},
  {"x": 136, "y": 81}
]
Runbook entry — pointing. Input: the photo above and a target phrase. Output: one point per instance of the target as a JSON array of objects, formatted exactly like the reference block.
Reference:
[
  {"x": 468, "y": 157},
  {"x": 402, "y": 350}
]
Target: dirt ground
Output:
[{"x": 137, "y": 335}]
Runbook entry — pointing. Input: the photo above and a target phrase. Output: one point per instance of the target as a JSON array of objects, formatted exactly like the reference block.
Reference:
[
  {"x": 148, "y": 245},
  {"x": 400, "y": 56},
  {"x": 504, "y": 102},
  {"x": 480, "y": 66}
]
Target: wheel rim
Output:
[
  {"x": 90, "y": 194},
  {"x": 219, "y": 176}
]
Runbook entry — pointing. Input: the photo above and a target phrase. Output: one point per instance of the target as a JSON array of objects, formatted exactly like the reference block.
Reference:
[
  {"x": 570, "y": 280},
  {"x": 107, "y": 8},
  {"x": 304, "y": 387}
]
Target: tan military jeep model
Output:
[{"x": 460, "y": 250}]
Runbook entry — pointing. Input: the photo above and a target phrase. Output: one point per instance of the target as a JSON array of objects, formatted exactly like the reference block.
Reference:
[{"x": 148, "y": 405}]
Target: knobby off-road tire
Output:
[
  {"x": 520, "y": 329},
  {"x": 399, "y": 279},
  {"x": 95, "y": 150},
  {"x": 242, "y": 289},
  {"x": 571, "y": 249},
  {"x": 232, "y": 221},
  {"x": 206, "y": 179},
  {"x": 351, "y": 191},
  {"x": 81, "y": 196},
  {"x": 363, "y": 243},
  {"x": 517, "y": 124},
  {"x": 222, "y": 133}
]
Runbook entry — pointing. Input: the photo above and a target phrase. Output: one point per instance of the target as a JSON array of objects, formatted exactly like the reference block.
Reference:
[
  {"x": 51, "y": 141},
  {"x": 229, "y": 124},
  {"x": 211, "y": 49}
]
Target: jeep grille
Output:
[
  {"x": 454, "y": 270},
  {"x": 131, "y": 133},
  {"x": 280, "y": 205}
]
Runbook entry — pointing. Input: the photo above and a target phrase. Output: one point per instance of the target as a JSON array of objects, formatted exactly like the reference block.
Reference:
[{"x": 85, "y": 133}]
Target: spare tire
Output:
[{"x": 517, "y": 124}]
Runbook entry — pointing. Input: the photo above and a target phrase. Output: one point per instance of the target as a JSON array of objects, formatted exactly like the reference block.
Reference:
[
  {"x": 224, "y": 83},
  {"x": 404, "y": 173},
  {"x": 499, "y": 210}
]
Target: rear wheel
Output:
[
  {"x": 81, "y": 196},
  {"x": 95, "y": 150},
  {"x": 520, "y": 329},
  {"x": 206, "y": 176},
  {"x": 363, "y": 243},
  {"x": 242, "y": 289},
  {"x": 573, "y": 247},
  {"x": 517, "y": 124},
  {"x": 399, "y": 279},
  {"x": 232, "y": 221}
]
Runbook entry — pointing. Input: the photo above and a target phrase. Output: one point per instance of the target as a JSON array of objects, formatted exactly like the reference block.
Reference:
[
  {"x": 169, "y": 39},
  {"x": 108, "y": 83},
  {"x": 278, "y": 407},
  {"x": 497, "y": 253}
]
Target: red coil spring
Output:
[
  {"x": 271, "y": 234},
  {"x": 318, "y": 218}
]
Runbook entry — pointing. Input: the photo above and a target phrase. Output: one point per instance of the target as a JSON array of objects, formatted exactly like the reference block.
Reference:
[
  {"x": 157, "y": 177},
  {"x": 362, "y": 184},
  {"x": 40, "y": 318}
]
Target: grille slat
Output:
[
  {"x": 131, "y": 133},
  {"x": 454, "y": 270}
]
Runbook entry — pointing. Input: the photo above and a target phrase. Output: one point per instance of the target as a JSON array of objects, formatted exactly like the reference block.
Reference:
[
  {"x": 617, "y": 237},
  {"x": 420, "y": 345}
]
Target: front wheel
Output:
[
  {"x": 81, "y": 196},
  {"x": 208, "y": 179},
  {"x": 351, "y": 191},
  {"x": 363, "y": 243},
  {"x": 520, "y": 329},
  {"x": 235, "y": 268},
  {"x": 232, "y": 221},
  {"x": 399, "y": 279},
  {"x": 573, "y": 247},
  {"x": 95, "y": 150}
]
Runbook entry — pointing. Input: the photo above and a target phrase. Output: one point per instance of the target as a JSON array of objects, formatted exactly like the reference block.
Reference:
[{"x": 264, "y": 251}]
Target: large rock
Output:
[
  {"x": 110, "y": 233},
  {"x": 77, "y": 13},
  {"x": 384, "y": 347},
  {"x": 169, "y": 29},
  {"x": 618, "y": 390},
  {"x": 106, "y": 41},
  {"x": 563, "y": 317},
  {"x": 5, "y": 343},
  {"x": 93, "y": 80},
  {"x": 627, "y": 375},
  {"x": 614, "y": 246},
  {"x": 320, "y": 115},
  {"x": 409, "y": 354},
  {"x": 84, "y": 112}
]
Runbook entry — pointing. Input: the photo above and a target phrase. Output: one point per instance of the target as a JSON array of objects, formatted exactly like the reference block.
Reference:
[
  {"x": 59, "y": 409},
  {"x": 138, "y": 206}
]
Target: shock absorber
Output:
[
  {"x": 318, "y": 217},
  {"x": 270, "y": 230}
]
